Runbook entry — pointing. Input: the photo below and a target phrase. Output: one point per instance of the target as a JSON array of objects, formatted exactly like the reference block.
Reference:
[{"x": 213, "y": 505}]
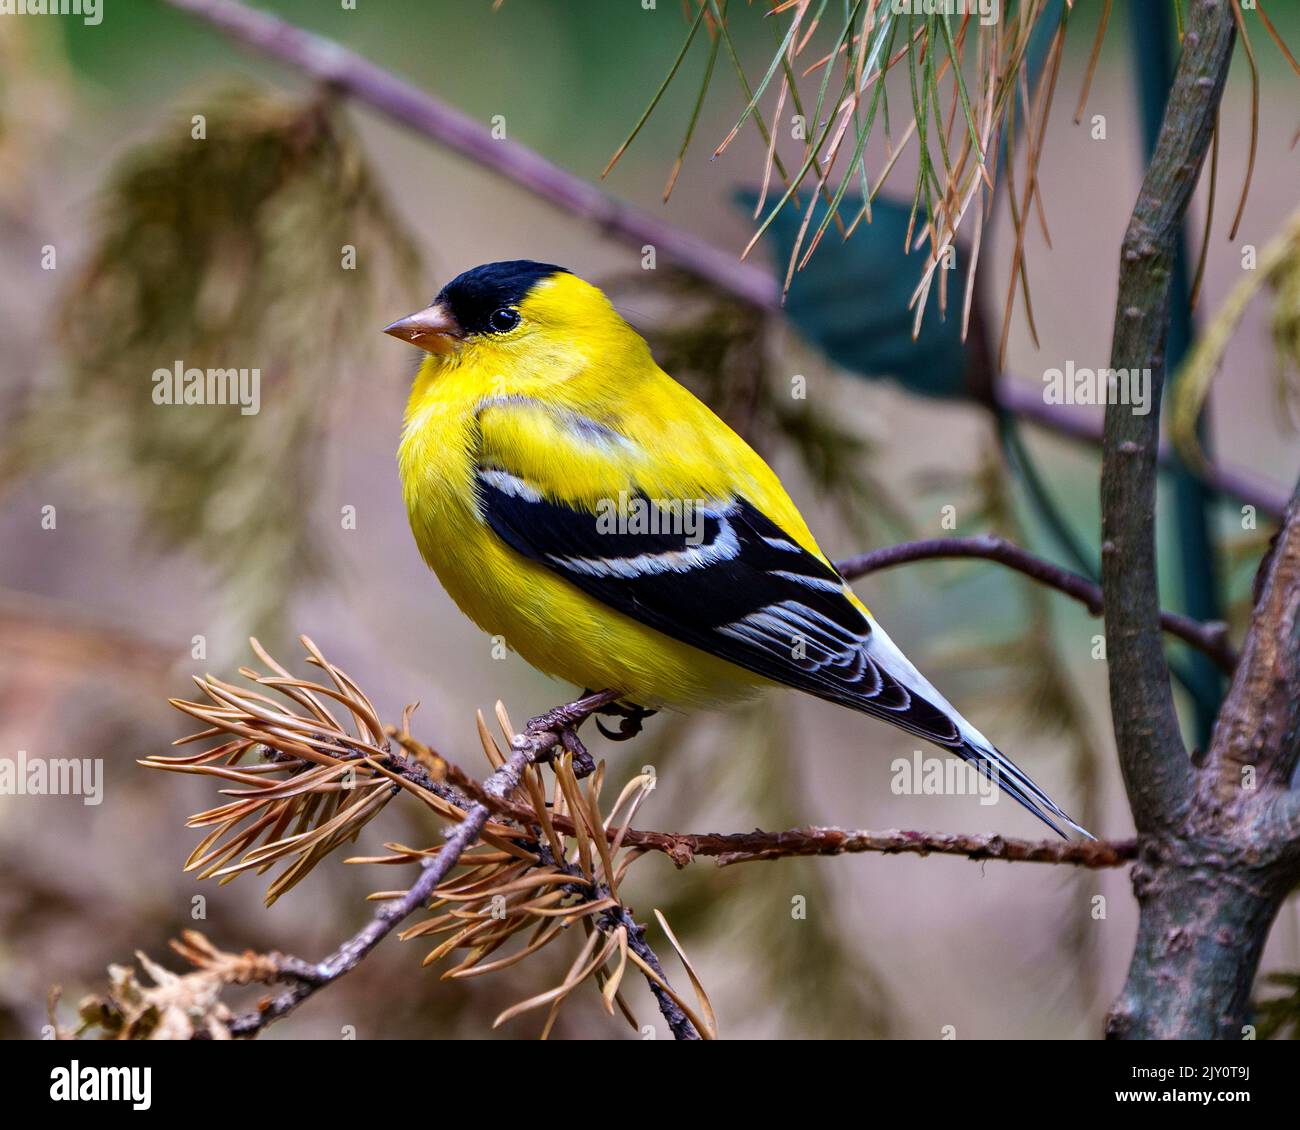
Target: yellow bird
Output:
[{"x": 577, "y": 501}]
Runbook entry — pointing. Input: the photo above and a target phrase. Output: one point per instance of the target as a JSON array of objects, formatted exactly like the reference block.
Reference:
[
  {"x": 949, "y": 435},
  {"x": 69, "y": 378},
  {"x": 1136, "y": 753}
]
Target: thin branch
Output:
[
  {"x": 678, "y": 1022},
  {"x": 308, "y": 978},
  {"x": 1259, "y": 724},
  {"x": 306, "y": 741},
  {"x": 747, "y": 847},
  {"x": 535, "y": 744},
  {"x": 1212, "y": 639},
  {"x": 1157, "y": 771},
  {"x": 744, "y": 847},
  {"x": 371, "y": 85}
]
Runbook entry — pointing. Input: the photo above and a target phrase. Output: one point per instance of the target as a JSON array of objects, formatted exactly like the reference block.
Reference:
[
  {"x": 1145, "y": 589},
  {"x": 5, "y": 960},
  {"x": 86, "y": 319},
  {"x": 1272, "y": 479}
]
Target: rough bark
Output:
[
  {"x": 1198, "y": 945},
  {"x": 1157, "y": 772},
  {"x": 1208, "y": 891}
]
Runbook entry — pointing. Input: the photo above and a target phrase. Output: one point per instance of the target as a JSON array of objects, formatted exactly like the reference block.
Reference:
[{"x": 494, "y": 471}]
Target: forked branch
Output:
[{"x": 1212, "y": 639}]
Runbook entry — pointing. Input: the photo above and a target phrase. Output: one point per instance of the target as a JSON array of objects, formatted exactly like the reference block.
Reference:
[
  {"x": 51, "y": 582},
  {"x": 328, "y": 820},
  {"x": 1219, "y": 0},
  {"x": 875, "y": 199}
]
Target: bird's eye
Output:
[{"x": 503, "y": 320}]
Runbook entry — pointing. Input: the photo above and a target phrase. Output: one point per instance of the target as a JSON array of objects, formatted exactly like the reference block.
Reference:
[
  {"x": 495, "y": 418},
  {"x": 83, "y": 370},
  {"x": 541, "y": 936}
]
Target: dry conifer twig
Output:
[
  {"x": 315, "y": 784},
  {"x": 744, "y": 847},
  {"x": 308, "y": 978}
]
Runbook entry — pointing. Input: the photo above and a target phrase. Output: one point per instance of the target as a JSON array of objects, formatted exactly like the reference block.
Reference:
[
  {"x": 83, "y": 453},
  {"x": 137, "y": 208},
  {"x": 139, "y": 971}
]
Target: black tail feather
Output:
[{"x": 1016, "y": 783}]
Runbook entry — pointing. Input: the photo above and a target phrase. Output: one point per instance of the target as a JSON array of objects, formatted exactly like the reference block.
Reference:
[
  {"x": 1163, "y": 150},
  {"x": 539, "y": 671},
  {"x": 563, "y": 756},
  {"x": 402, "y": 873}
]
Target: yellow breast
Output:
[{"x": 555, "y": 627}]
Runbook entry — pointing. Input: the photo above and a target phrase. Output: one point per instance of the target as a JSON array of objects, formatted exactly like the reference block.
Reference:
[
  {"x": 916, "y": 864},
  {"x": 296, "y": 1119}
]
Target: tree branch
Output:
[
  {"x": 345, "y": 70},
  {"x": 1157, "y": 772},
  {"x": 1210, "y": 884},
  {"x": 1212, "y": 639},
  {"x": 749, "y": 847},
  {"x": 300, "y": 752},
  {"x": 308, "y": 978},
  {"x": 1210, "y": 875},
  {"x": 533, "y": 745},
  {"x": 745, "y": 847},
  {"x": 1259, "y": 724}
]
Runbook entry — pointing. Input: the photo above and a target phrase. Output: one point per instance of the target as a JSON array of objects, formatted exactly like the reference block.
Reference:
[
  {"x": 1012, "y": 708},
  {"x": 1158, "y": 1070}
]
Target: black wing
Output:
[{"x": 721, "y": 577}]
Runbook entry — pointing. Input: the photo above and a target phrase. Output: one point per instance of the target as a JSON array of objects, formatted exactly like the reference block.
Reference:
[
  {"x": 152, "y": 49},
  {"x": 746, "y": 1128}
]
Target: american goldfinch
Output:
[{"x": 577, "y": 501}]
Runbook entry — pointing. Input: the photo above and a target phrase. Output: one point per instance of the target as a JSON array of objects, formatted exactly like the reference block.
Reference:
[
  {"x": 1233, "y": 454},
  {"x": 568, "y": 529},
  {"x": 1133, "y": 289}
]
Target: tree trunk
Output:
[
  {"x": 1218, "y": 834},
  {"x": 1204, "y": 917}
]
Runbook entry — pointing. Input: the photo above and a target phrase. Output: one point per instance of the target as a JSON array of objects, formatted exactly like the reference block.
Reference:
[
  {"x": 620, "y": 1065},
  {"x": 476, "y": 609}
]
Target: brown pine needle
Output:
[
  {"x": 550, "y": 934},
  {"x": 1201, "y": 258},
  {"x": 310, "y": 786},
  {"x": 1254, "y": 117},
  {"x": 576, "y": 975},
  {"x": 650, "y": 975},
  {"x": 1281, "y": 43},
  {"x": 610, "y": 989},
  {"x": 1092, "y": 60},
  {"x": 710, "y": 1020}
]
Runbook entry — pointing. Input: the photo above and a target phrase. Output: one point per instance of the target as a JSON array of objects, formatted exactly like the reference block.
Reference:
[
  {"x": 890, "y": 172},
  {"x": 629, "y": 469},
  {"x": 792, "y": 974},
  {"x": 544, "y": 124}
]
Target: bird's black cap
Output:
[{"x": 474, "y": 295}]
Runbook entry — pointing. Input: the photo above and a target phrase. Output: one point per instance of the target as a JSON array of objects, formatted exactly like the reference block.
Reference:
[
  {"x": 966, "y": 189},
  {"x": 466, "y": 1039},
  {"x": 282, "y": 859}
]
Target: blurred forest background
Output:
[{"x": 173, "y": 525}]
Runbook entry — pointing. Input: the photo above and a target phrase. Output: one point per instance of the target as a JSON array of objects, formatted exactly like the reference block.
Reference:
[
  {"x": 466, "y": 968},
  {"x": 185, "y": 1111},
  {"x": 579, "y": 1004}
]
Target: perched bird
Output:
[{"x": 577, "y": 501}]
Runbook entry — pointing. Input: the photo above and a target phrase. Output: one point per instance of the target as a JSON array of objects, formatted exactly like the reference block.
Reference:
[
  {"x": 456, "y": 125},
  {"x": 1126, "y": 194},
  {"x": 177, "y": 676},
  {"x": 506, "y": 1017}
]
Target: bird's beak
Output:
[{"x": 433, "y": 329}]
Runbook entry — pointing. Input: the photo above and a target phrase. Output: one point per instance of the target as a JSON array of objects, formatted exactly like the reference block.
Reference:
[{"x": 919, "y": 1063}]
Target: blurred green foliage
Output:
[
  {"x": 1278, "y": 1018},
  {"x": 225, "y": 251},
  {"x": 543, "y": 63}
]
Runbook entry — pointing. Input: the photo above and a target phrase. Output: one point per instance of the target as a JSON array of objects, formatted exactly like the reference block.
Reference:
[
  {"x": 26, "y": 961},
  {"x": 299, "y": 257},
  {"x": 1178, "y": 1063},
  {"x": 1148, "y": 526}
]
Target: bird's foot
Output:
[
  {"x": 571, "y": 714},
  {"x": 583, "y": 763},
  {"x": 631, "y": 718},
  {"x": 563, "y": 722}
]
